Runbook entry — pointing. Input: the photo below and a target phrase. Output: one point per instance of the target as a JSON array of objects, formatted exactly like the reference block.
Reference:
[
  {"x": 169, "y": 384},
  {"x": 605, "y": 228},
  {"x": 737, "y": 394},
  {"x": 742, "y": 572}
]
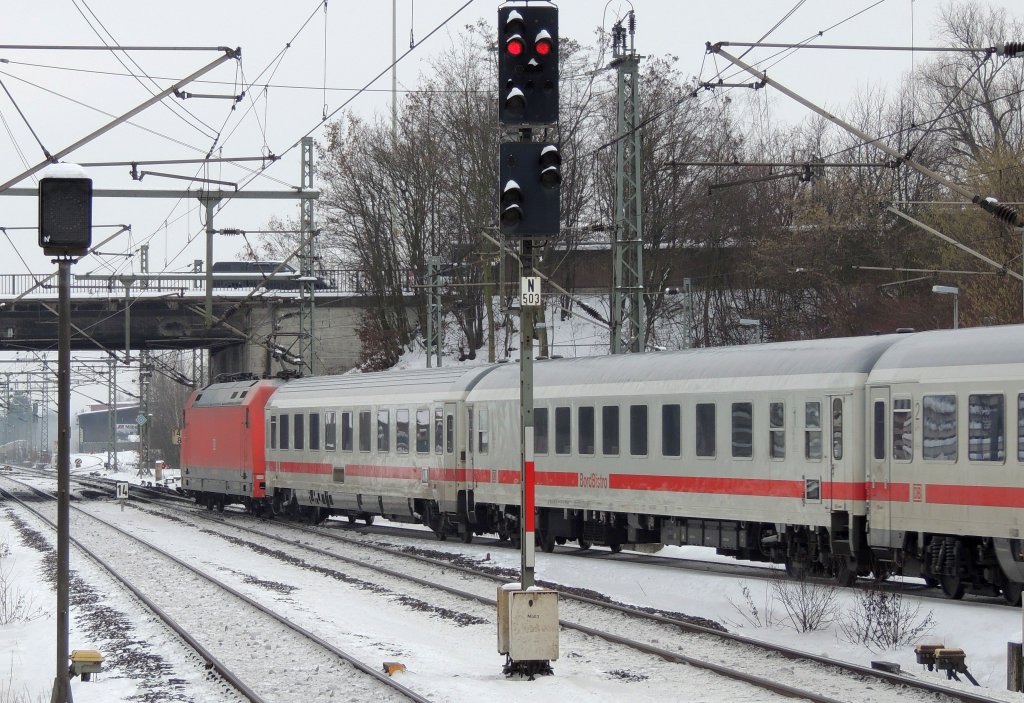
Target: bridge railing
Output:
[{"x": 337, "y": 281}]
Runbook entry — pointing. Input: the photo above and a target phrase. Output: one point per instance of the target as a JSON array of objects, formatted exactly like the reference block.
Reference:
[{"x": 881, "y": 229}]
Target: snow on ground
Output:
[{"x": 982, "y": 629}]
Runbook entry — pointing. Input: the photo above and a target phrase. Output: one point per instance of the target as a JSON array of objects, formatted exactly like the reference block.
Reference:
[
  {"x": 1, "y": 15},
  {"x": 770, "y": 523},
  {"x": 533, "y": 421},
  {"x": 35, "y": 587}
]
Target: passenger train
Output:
[{"x": 891, "y": 454}]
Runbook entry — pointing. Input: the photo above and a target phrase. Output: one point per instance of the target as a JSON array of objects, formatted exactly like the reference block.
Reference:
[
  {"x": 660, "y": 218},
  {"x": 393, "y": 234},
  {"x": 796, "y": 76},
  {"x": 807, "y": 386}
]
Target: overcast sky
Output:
[
  {"x": 356, "y": 38},
  {"x": 313, "y": 61}
]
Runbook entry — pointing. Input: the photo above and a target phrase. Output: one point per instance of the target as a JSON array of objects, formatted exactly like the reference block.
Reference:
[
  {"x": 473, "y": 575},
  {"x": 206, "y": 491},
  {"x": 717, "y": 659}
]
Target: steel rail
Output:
[
  {"x": 295, "y": 627},
  {"x": 207, "y": 656}
]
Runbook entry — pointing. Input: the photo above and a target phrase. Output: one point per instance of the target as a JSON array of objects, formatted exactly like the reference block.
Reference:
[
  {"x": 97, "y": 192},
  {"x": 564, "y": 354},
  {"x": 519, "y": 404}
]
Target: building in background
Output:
[{"x": 94, "y": 428}]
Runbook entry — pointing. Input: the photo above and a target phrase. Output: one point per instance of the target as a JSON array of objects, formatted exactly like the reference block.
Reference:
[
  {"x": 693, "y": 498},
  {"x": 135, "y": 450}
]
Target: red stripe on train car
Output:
[
  {"x": 407, "y": 473},
  {"x": 708, "y": 484},
  {"x": 844, "y": 491},
  {"x": 987, "y": 496},
  {"x": 889, "y": 492},
  {"x": 298, "y": 467}
]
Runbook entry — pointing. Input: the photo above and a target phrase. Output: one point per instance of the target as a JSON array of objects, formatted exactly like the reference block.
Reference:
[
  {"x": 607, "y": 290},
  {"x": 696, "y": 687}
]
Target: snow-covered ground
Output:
[{"x": 982, "y": 629}]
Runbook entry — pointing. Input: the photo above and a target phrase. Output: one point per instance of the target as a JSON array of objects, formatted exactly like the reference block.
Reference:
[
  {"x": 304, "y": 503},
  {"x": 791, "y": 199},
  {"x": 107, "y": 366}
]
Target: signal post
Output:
[{"x": 529, "y": 175}]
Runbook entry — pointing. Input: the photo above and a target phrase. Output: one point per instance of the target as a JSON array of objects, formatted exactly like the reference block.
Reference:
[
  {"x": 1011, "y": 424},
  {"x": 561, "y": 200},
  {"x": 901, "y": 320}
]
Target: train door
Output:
[
  {"x": 839, "y": 476},
  {"x": 450, "y": 444},
  {"x": 878, "y": 475}
]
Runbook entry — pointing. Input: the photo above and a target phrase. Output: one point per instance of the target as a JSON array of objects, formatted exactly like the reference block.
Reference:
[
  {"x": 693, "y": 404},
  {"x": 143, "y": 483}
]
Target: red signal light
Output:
[
  {"x": 515, "y": 45},
  {"x": 543, "y": 44}
]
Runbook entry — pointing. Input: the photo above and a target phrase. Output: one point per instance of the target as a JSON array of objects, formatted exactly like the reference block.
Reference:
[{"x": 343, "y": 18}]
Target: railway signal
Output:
[
  {"x": 65, "y": 211},
  {"x": 530, "y": 178},
  {"x": 527, "y": 65}
]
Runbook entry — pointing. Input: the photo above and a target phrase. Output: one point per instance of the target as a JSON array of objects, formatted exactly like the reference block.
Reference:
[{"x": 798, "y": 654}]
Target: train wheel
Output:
[
  {"x": 844, "y": 570},
  {"x": 351, "y": 519},
  {"x": 953, "y": 587},
  {"x": 467, "y": 534},
  {"x": 314, "y": 516},
  {"x": 368, "y": 520},
  {"x": 1012, "y": 593},
  {"x": 220, "y": 503},
  {"x": 931, "y": 581},
  {"x": 795, "y": 569},
  {"x": 547, "y": 541},
  {"x": 584, "y": 544},
  {"x": 615, "y": 547}
]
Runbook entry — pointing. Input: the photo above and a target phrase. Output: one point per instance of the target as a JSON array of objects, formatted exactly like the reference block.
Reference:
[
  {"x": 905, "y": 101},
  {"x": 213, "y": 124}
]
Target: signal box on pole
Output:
[
  {"x": 527, "y": 65},
  {"x": 530, "y": 180}
]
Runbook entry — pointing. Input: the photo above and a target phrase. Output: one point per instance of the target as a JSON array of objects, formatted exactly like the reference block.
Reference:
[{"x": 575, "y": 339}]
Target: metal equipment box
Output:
[{"x": 528, "y": 623}]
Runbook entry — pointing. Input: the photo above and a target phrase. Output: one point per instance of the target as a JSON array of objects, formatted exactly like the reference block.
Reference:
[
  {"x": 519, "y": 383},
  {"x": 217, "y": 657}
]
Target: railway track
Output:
[
  {"x": 312, "y": 667},
  {"x": 822, "y": 673},
  {"x": 727, "y": 654}
]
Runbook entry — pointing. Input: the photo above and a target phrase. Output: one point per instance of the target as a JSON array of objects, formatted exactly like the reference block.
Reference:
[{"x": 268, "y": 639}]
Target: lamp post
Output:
[{"x": 955, "y": 292}]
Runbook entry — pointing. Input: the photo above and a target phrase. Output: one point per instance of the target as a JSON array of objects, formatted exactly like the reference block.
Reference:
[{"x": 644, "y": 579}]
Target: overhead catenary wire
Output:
[{"x": 28, "y": 124}]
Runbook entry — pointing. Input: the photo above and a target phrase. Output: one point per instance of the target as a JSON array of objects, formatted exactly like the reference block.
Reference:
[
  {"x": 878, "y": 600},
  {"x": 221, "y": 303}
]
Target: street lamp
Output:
[{"x": 955, "y": 292}]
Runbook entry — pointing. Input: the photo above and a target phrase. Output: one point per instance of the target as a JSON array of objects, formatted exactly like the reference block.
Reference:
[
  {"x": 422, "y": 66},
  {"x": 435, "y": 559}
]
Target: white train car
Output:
[
  {"x": 362, "y": 445},
  {"x": 946, "y": 454},
  {"x": 754, "y": 450}
]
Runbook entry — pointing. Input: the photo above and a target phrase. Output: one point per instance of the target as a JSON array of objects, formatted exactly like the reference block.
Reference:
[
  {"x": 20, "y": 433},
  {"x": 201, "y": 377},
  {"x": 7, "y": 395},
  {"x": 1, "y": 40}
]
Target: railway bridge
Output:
[{"x": 249, "y": 329}]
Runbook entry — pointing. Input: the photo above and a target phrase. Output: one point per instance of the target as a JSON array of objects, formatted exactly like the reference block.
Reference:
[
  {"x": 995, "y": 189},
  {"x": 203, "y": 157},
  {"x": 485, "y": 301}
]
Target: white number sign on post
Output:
[
  {"x": 529, "y": 291},
  {"x": 122, "y": 493}
]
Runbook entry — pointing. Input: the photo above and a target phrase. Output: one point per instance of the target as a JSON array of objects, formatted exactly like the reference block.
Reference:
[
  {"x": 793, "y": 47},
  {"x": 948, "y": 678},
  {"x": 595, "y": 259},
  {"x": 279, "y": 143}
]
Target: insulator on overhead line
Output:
[
  {"x": 1010, "y": 49},
  {"x": 1006, "y": 213}
]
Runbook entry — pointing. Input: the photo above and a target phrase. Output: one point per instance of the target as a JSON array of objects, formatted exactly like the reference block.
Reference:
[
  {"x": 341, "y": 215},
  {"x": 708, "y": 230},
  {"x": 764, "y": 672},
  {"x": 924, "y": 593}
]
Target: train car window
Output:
[
  {"x": 837, "y": 428},
  {"x": 364, "y": 430},
  {"x": 540, "y": 431},
  {"x": 402, "y": 431},
  {"x": 777, "y": 430},
  {"x": 742, "y": 430},
  {"x": 282, "y": 426},
  {"x": 346, "y": 431},
  {"x": 986, "y": 427},
  {"x": 438, "y": 430},
  {"x": 879, "y": 429},
  {"x": 300, "y": 430},
  {"x": 902, "y": 430},
  {"x": 483, "y": 431},
  {"x": 244, "y": 393},
  {"x": 563, "y": 430},
  {"x": 330, "y": 431},
  {"x": 384, "y": 430},
  {"x": 422, "y": 430},
  {"x": 273, "y": 432},
  {"x": 705, "y": 425},
  {"x": 469, "y": 430},
  {"x": 449, "y": 434},
  {"x": 671, "y": 440},
  {"x": 585, "y": 429},
  {"x": 314, "y": 430},
  {"x": 812, "y": 430},
  {"x": 1020, "y": 427},
  {"x": 610, "y": 430},
  {"x": 638, "y": 430},
  {"x": 939, "y": 430},
  {"x": 234, "y": 395}
]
